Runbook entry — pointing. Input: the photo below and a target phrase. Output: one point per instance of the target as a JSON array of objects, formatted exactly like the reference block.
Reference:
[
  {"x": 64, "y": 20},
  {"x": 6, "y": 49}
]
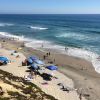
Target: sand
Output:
[
  {"x": 51, "y": 88},
  {"x": 79, "y": 70}
]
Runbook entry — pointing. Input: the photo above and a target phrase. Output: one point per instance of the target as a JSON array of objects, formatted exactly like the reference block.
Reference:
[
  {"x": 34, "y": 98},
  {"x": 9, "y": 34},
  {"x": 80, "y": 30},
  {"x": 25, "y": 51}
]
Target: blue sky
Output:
[{"x": 50, "y": 6}]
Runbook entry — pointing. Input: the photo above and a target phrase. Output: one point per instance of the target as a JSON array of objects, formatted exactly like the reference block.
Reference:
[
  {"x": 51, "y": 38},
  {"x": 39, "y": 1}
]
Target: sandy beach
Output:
[
  {"x": 79, "y": 71},
  {"x": 51, "y": 88}
]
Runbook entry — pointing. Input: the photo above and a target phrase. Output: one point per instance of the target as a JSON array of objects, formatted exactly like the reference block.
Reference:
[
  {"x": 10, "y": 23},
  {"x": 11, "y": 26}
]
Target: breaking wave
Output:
[
  {"x": 5, "y": 24},
  {"x": 38, "y": 28},
  {"x": 76, "y": 36},
  {"x": 8, "y": 35}
]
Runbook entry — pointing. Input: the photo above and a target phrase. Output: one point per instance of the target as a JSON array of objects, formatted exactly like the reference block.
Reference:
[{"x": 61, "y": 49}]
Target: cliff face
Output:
[{"x": 16, "y": 88}]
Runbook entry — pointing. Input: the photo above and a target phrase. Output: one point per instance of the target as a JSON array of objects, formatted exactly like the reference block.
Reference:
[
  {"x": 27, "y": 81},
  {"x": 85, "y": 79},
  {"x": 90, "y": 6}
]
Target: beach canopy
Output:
[
  {"x": 33, "y": 58},
  {"x": 4, "y": 59},
  {"x": 52, "y": 67},
  {"x": 30, "y": 61},
  {"x": 34, "y": 66},
  {"x": 39, "y": 62}
]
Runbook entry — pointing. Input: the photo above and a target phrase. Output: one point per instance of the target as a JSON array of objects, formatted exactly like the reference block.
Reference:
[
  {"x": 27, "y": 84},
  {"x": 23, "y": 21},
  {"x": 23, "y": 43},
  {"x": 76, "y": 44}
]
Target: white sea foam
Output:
[
  {"x": 77, "y": 36},
  {"x": 71, "y": 35},
  {"x": 20, "y": 38},
  {"x": 38, "y": 28},
  {"x": 76, "y": 52},
  {"x": 40, "y": 44},
  {"x": 87, "y": 55},
  {"x": 5, "y": 24}
]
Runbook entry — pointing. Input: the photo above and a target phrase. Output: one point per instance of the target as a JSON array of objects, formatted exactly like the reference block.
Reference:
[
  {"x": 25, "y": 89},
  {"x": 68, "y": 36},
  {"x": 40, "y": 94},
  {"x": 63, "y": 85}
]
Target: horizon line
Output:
[{"x": 50, "y": 14}]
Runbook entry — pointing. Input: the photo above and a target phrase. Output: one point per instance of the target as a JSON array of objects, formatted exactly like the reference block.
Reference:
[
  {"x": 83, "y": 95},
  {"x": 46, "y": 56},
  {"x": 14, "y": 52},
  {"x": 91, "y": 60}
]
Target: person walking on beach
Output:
[
  {"x": 80, "y": 93},
  {"x": 44, "y": 57},
  {"x": 49, "y": 53},
  {"x": 80, "y": 96}
]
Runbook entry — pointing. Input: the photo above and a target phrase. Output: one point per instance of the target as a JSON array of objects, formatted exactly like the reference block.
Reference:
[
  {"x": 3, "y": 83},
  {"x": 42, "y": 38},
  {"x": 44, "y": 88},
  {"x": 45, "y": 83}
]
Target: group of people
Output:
[
  {"x": 30, "y": 76},
  {"x": 47, "y": 54}
]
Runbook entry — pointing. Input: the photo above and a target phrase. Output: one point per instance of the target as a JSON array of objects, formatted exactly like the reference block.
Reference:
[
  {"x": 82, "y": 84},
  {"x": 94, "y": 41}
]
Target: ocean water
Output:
[{"x": 79, "y": 33}]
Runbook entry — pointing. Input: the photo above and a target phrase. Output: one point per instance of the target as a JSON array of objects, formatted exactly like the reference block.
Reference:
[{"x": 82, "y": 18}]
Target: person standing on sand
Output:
[
  {"x": 66, "y": 49},
  {"x": 42, "y": 45},
  {"x": 54, "y": 60},
  {"x": 44, "y": 57},
  {"x": 30, "y": 76},
  {"x": 80, "y": 96},
  {"x": 49, "y": 53}
]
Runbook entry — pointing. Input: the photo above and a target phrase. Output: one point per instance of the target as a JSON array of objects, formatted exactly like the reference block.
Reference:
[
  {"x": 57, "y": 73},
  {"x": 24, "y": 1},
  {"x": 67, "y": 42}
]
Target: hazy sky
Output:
[{"x": 50, "y": 6}]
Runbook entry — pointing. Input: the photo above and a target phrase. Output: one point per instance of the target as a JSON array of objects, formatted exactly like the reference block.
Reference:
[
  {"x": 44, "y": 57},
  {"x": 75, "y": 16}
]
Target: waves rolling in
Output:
[
  {"x": 71, "y": 51},
  {"x": 79, "y": 33},
  {"x": 5, "y": 24},
  {"x": 76, "y": 52},
  {"x": 8, "y": 35}
]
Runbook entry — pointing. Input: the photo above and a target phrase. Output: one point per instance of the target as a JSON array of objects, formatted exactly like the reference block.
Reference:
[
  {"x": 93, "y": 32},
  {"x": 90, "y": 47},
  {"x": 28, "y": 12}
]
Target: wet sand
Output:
[{"x": 86, "y": 80}]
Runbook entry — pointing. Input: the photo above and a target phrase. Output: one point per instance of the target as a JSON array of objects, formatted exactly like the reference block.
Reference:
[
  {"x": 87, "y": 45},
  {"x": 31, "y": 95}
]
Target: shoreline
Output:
[
  {"x": 79, "y": 70},
  {"x": 44, "y": 46}
]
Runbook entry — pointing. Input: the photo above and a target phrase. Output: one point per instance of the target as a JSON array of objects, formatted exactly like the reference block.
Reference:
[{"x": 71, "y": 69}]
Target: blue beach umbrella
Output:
[
  {"x": 34, "y": 66},
  {"x": 4, "y": 60},
  {"x": 39, "y": 62},
  {"x": 30, "y": 61},
  {"x": 52, "y": 67},
  {"x": 33, "y": 58}
]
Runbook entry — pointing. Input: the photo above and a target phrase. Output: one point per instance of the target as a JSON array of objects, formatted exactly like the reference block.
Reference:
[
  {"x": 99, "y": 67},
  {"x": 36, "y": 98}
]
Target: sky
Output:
[{"x": 49, "y": 6}]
